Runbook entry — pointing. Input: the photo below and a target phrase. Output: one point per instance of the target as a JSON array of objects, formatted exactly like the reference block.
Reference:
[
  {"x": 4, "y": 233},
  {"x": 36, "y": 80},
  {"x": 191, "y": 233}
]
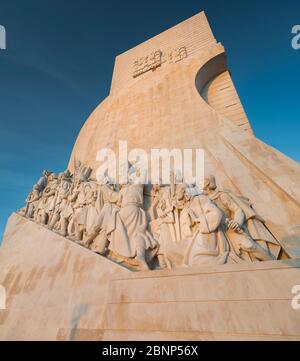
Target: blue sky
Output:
[{"x": 59, "y": 60}]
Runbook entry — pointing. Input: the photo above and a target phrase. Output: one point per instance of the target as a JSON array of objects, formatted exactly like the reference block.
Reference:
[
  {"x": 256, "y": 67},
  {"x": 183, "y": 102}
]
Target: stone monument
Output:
[{"x": 93, "y": 258}]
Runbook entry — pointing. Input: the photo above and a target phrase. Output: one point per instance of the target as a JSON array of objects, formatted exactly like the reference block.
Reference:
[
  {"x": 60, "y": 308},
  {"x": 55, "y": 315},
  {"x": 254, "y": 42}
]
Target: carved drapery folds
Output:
[{"x": 180, "y": 228}]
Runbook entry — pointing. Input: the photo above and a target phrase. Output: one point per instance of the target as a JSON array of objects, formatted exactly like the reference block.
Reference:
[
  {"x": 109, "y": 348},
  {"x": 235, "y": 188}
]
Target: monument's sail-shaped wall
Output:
[
  {"x": 172, "y": 91},
  {"x": 175, "y": 91}
]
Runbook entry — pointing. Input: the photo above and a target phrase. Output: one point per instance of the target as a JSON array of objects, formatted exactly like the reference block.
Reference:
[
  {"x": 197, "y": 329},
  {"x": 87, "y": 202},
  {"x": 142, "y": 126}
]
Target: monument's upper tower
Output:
[
  {"x": 151, "y": 61},
  {"x": 153, "y": 58},
  {"x": 165, "y": 91}
]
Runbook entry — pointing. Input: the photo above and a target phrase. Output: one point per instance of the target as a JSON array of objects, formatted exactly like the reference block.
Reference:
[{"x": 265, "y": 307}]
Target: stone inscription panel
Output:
[{"x": 156, "y": 59}]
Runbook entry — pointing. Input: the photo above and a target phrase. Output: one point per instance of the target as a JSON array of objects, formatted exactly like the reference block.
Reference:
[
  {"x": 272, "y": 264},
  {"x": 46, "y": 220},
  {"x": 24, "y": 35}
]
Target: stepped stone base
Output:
[
  {"x": 231, "y": 302},
  {"x": 57, "y": 290}
]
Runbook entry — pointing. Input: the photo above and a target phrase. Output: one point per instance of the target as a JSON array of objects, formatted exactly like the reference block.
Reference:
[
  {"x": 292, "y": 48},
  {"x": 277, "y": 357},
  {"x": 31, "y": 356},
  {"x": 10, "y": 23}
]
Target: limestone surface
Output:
[{"x": 89, "y": 259}]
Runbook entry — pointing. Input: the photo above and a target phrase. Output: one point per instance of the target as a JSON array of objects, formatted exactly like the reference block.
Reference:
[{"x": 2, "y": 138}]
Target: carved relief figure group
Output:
[{"x": 163, "y": 227}]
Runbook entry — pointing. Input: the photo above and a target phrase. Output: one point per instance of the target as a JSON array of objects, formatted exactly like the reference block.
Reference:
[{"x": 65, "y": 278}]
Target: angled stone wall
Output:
[{"x": 55, "y": 288}]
